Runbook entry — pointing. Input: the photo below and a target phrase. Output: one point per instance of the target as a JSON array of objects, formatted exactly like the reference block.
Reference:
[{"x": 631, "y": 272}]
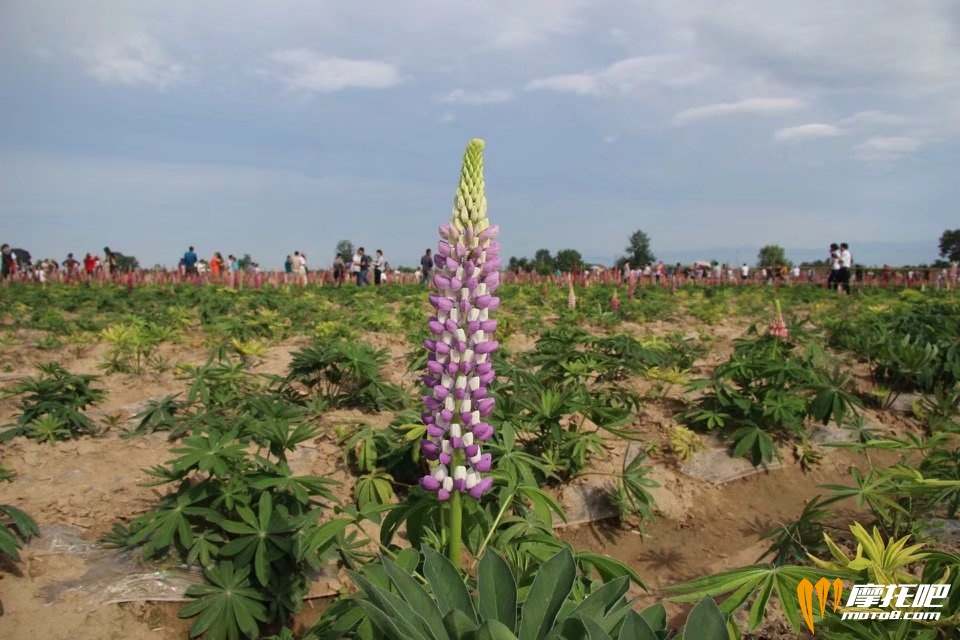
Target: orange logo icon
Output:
[{"x": 805, "y": 595}]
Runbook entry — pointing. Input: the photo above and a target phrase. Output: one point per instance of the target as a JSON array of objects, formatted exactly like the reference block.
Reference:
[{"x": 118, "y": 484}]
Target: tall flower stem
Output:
[{"x": 456, "y": 529}]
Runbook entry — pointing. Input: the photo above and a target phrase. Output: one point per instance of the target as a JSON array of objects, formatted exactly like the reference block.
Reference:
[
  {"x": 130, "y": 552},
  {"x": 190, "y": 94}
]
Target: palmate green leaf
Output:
[
  {"x": 216, "y": 453},
  {"x": 498, "y": 590},
  {"x": 319, "y": 539},
  {"x": 226, "y": 608},
  {"x": 759, "y": 580},
  {"x": 25, "y": 526},
  {"x": 205, "y": 547},
  {"x": 9, "y": 545},
  {"x": 608, "y": 568},
  {"x": 261, "y": 537},
  {"x": 754, "y": 442},
  {"x": 551, "y": 586},
  {"x": 544, "y": 505},
  {"x": 279, "y": 476},
  {"x": 170, "y": 523}
]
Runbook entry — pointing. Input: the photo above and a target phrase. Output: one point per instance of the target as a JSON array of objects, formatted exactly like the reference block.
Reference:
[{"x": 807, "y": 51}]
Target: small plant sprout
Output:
[{"x": 459, "y": 358}]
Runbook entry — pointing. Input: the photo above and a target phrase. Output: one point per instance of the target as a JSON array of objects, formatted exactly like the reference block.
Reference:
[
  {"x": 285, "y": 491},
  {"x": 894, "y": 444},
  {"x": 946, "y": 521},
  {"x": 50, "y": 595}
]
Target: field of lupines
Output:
[{"x": 463, "y": 417}]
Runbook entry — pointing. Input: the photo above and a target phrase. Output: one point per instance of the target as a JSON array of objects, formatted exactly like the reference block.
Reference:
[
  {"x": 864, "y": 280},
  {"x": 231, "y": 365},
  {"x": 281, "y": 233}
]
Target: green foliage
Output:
[
  {"x": 769, "y": 389},
  {"x": 345, "y": 250},
  {"x": 133, "y": 346},
  {"x": 926, "y": 482},
  {"x": 398, "y": 603},
  {"x": 234, "y": 509},
  {"x": 16, "y": 528},
  {"x": 228, "y": 607},
  {"x": 949, "y": 245},
  {"x": 909, "y": 345},
  {"x": 345, "y": 374},
  {"x": 771, "y": 255},
  {"x": 51, "y": 405},
  {"x": 638, "y": 250}
]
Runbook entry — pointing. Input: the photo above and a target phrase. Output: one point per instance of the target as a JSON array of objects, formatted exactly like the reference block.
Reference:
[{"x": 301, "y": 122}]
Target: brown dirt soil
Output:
[{"x": 91, "y": 484}]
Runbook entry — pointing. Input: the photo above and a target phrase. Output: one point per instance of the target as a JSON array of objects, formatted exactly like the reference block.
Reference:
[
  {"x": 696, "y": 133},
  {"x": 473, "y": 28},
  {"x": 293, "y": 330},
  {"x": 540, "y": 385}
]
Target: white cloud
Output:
[
  {"x": 886, "y": 148},
  {"x": 893, "y": 144},
  {"x": 474, "y": 98},
  {"x": 306, "y": 70},
  {"x": 516, "y": 25},
  {"x": 134, "y": 60},
  {"x": 623, "y": 76},
  {"x": 873, "y": 117},
  {"x": 756, "y": 106},
  {"x": 808, "y": 131},
  {"x": 810, "y": 43}
]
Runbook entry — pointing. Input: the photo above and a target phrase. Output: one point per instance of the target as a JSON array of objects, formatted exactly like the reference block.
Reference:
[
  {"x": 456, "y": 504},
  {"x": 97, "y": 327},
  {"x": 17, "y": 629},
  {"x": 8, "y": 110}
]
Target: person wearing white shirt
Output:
[
  {"x": 379, "y": 264},
  {"x": 846, "y": 265},
  {"x": 355, "y": 266}
]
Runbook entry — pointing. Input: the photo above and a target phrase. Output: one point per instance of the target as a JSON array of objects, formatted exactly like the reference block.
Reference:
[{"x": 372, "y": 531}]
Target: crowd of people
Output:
[
  {"x": 362, "y": 269},
  {"x": 17, "y": 264}
]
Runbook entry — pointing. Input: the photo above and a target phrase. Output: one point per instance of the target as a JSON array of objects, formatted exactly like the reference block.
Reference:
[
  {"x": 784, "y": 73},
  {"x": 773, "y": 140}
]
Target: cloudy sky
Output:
[{"x": 265, "y": 127}]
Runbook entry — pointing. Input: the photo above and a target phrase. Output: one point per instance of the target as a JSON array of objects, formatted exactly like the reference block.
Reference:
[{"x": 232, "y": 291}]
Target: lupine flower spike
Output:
[
  {"x": 615, "y": 301},
  {"x": 459, "y": 351},
  {"x": 571, "y": 297},
  {"x": 778, "y": 327}
]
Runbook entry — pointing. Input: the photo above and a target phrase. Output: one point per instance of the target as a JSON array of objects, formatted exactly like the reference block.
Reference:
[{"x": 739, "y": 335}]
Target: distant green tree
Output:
[
  {"x": 126, "y": 264},
  {"x": 771, "y": 255},
  {"x": 638, "y": 250},
  {"x": 543, "y": 262},
  {"x": 245, "y": 262},
  {"x": 518, "y": 264},
  {"x": 568, "y": 260},
  {"x": 950, "y": 245},
  {"x": 345, "y": 250}
]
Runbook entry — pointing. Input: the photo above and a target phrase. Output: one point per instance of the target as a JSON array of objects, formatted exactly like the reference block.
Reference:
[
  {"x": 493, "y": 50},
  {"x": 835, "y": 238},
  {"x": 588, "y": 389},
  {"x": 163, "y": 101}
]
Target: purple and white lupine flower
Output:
[{"x": 460, "y": 350}]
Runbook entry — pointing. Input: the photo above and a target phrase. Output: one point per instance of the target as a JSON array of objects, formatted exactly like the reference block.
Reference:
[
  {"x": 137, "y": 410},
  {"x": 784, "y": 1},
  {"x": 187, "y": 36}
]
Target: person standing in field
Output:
[
  {"x": 110, "y": 261},
  {"x": 846, "y": 264},
  {"x": 190, "y": 262},
  {"x": 364, "y": 276},
  {"x": 378, "y": 265},
  {"x": 89, "y": 265},
  {"x": 355, "y": 265},
  {"x": 833, "y": 280},
  {"x": 216, "y": 265},
  {"x": 426, "y": 264},
  {"x": 72, "y": 268},
  {"x": 9, "y": 265},
  {"x": 288, "y": 270},
  {"x": 300, "y": 268},
  {"x": 339, "y": 270}
]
